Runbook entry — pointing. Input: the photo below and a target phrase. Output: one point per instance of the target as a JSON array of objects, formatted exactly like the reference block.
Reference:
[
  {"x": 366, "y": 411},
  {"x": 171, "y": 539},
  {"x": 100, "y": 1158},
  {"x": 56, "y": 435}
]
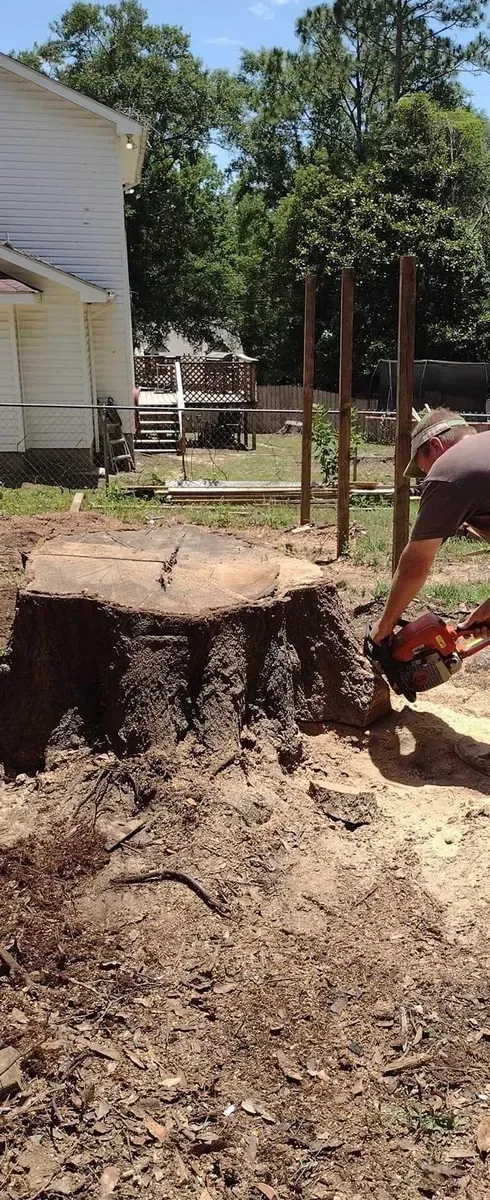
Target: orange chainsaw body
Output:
[{"x": 426, "y": 633}]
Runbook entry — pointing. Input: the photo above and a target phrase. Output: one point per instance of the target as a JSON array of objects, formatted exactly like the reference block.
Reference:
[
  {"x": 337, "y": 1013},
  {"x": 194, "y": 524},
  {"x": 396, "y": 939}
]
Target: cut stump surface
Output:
[{"x": 149, "y": 635}]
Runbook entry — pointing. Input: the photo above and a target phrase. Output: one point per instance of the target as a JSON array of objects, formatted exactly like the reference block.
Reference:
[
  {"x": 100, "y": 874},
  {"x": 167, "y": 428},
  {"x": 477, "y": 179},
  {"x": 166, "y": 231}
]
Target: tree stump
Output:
[{"x": 152, "y": 635}]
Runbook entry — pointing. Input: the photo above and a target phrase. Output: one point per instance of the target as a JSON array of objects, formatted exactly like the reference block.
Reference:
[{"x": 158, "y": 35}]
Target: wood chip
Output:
[
  {"x": 209, "y": 1143},
  {"x": 483, "y": 1135},
  {"x": 103, "y": 1109},
  {"x": 108, "y": 1181},
  {"x": 267, "y": 1191},
  {"x": 158, "y": 1132},
  {"x": 408, "y": 1062},
  {"x": 65, "y": 1185},
  {"x": 251, "y": 1149},
  {"x": 290, "y": 1072},
  {"x": 339, "y": 1004},
  {"x": 10, "y": 1074},
  {"x": 103, "y": 1050},
  {"x": 249, "y": 1107},
  {"x": 183, "y": 1175},
  {"x": 135, "y": 1058},
  {"x": 19, "y": 1017},
  {"x": 461, "y": 1153},
  {"x": 266, "y": 1116}
]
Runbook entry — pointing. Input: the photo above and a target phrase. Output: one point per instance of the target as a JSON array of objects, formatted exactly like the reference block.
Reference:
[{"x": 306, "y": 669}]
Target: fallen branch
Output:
[
  {"x": 366, "y": 896},
  {"x": 16, "y": 968},
  {"x": 408, "y": 1062},
  {"x": 126, "y": 837},
  {"x": 319, "y": 904},
  {"x": 225, "y": 762},
  {"x": 174, "y": 877}
]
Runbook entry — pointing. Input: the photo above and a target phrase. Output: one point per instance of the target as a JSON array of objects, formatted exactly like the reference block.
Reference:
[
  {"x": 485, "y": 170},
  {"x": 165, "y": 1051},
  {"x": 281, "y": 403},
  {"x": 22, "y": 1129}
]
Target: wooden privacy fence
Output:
[{"x": 277, "y": 404}]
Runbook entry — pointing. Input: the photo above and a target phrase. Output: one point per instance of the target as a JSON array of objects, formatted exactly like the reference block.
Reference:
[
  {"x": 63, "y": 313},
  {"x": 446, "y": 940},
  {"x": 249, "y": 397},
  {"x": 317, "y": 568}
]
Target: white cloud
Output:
[
  {"x": 222, "y": 41},
  {"x": 262, "y": 10},
  {"x": 279, "y": 3}
]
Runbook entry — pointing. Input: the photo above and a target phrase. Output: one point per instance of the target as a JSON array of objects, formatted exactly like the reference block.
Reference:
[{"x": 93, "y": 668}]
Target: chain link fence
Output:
[{"x": 160, "y": 441}]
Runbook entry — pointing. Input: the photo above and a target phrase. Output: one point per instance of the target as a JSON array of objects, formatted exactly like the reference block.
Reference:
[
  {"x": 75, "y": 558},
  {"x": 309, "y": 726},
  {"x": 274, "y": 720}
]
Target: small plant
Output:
[
  {"x": 326, "y": 442},
  {"x": 356, "y": 438},
  {"x": 429, "y": 1122},
  {"x": 325, "y": 439},
  {"x": 114, "y": 490}
]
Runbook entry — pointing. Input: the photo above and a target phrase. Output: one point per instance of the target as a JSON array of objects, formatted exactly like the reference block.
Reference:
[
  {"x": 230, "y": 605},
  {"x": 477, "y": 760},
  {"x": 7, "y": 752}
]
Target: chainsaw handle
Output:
[{"x": 466, "y": 630}]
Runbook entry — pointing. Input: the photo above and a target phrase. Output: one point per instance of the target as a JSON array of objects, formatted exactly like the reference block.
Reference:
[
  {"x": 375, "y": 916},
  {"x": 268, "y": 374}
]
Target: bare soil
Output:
[{"x": 326, "y": 1034}]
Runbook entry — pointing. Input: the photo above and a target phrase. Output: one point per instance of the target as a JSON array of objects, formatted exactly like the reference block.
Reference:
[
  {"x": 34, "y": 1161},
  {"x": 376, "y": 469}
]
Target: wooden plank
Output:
[
  {"x": 185, "y": 496},
  {"x": 404, "y": 403},
  {"x": 345, "y": 394},
  {"x": 77, "y": 502},
  {"x": 308, "y": 386}
]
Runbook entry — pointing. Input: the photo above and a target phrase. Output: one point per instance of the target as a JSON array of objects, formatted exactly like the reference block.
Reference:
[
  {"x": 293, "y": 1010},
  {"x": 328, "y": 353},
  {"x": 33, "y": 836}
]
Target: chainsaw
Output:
[{"x": 421, "y": 654}]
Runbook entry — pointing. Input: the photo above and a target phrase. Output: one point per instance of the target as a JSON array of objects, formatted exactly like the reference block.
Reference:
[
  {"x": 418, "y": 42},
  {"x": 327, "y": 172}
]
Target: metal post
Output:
[
  {"x": 183, "y": 445},
  {"x": 345, "y": 407},
  {"x": 308, "y": 386},
  {"x": 404, "y": 403},
  {"x": 105, "y": 442}
]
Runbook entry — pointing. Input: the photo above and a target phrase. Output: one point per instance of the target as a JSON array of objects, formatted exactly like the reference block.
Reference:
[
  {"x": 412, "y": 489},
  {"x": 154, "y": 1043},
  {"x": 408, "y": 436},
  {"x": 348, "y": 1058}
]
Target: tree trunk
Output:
[
  {"x": 154, "y": 637},
  {"x": 397, "y": 75}
]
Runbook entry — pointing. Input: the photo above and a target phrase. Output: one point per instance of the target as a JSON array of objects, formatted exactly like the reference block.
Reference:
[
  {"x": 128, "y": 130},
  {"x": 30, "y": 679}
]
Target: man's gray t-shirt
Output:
[{"x": 457, "y": 491}]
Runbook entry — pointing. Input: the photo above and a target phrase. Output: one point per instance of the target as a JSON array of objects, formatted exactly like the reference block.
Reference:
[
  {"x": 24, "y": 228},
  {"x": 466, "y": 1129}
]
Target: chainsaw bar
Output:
[{"x": 384, "y": 664}]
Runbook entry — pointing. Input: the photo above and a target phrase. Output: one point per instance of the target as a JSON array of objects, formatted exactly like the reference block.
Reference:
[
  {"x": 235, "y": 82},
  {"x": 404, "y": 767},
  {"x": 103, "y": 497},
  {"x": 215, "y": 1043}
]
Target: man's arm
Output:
[{"x": 411, "y": 574}]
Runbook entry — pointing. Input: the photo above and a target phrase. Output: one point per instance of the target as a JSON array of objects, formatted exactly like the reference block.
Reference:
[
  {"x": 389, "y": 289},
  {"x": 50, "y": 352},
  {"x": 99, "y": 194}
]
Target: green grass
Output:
[
  {"x": 224, "y": 516},
  {"x": 277, "y": 459},
  {"x": 30, "y": 501},
  {"x": 371, "y": 546},
  {"x": 447, "y": 596},
  {"x": 40, "y": 500}
]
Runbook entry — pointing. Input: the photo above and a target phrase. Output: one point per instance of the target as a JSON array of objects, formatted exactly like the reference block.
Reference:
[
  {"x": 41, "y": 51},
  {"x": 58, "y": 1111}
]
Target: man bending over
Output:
[{"x": 456, "y": 463}]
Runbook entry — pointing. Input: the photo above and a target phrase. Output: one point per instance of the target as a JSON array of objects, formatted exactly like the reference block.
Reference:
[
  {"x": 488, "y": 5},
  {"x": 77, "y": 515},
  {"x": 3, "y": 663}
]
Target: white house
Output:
[{"x": 65, "y": 319}]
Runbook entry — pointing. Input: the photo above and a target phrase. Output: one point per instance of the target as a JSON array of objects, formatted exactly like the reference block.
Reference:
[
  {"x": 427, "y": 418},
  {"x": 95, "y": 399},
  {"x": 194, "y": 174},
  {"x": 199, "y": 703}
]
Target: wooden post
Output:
[
  {"x": 345, "y": 406},
  {"x": 404, "y": 403},
  {"x": 308, "y": 386}
]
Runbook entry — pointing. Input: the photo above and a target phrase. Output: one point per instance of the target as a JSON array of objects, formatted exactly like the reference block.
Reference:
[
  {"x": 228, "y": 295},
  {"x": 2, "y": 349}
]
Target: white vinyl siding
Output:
[
  {"x": 55, "y": 371},
  {"x": 11, "y": 423},
  {"x": 61, "y": 199}
]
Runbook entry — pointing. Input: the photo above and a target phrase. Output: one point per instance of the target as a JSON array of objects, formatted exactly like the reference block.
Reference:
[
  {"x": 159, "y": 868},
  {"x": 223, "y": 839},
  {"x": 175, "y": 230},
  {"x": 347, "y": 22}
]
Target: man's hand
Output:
[
  {"x": 380, "y": 631},
  {"x": 478, "y": 622}
]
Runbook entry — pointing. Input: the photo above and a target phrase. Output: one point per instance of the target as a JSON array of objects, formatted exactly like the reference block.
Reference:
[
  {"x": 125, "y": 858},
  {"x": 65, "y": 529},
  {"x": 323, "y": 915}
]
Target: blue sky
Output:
[{"x": 218, "y": 28}]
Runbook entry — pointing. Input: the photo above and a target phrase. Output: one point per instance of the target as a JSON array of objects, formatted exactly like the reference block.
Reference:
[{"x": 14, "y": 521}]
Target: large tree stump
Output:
[{"x": 149, "y": 636}]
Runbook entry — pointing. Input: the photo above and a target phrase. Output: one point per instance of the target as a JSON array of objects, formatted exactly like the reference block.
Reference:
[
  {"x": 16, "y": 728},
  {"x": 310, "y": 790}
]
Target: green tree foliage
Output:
[
  {"x": 426, "y": 194},
  {"x": 180, "y": 221},
  {"x": 356, "y": 147}
]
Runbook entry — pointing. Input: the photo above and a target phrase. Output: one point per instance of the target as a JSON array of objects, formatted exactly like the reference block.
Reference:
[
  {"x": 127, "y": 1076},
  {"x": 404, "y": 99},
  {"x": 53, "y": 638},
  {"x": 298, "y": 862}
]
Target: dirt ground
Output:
[{"x": 311, "y": 1021}]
